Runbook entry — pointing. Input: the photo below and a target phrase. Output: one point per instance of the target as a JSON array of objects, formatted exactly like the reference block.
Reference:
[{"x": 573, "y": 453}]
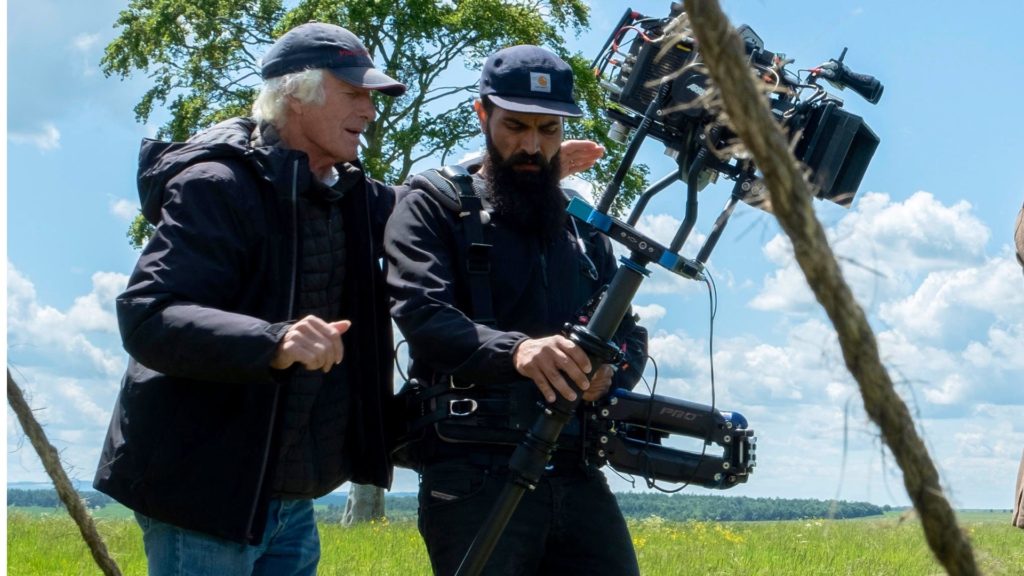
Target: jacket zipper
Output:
[
  {"x": 373, "y": 290},
  {"x": 277, "y": 388}
]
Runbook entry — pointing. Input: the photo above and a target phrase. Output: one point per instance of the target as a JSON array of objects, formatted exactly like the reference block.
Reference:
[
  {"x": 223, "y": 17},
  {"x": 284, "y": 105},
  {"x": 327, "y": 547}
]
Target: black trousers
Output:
[{"x": 571, "y": 523}]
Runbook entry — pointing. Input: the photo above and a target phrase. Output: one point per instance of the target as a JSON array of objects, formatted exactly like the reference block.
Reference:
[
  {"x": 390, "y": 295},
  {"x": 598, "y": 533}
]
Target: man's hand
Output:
[
  {"x": 578, "y": 156},
  {"x": 312, "y": 342},
  {"x": 547, "y": 361},
  {"x": 600, "y": 383}
]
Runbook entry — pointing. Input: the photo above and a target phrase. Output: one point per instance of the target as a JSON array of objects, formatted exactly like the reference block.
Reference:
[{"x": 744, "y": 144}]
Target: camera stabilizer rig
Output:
[
  {"x": 657, "y": 89},
  {"x": 629, "y": 428}
]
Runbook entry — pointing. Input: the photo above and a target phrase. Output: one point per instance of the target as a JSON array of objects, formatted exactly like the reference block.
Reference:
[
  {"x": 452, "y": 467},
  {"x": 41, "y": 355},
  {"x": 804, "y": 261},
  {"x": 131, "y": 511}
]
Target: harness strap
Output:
[
  {"x": 453, "y": 187},
  {"x": 480, "y": 411}
]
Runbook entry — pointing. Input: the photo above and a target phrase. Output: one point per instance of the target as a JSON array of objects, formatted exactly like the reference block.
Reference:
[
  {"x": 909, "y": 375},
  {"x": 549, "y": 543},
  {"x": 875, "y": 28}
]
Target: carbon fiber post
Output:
[{"x": 533, "y": 453}]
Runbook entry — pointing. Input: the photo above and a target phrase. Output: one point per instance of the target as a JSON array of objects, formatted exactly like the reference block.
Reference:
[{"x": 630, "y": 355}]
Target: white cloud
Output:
[
  {"x": 950, "y": 390},
  {"x": 65, "y": 336},
  {"x": 949, "y": 300},
  {"x": 949, "y": 321},
  {"x": 124, "y": 209},
  {"x": 84, "y": 404},
  {"x": 85, "y": 42},
  {"x": 884, "y": 248},
  {"x": 786, "y": 289},
  {"x": 649, "y": 315},
  {"x": 47, "y": 138},
  {"x": 73, "y": 411},
  {"x": 68, "y": 362},
  {"x": 676, "y": 350},
  {"x": 887, "y": 247}
]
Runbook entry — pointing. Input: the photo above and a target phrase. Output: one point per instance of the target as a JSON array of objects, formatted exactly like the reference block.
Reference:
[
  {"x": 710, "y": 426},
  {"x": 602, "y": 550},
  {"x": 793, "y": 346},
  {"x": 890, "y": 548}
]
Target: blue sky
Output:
[{"x": 926, "y": 248}]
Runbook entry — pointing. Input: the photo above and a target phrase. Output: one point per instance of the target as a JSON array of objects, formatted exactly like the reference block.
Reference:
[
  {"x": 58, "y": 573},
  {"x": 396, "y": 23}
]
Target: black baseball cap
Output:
[
  {"x": 529, "y": 79},
  {"x": 318, "y": 45}
]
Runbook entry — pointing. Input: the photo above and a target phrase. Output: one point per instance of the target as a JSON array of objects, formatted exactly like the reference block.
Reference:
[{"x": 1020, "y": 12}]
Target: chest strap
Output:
[{"x": 453, "y": 187}]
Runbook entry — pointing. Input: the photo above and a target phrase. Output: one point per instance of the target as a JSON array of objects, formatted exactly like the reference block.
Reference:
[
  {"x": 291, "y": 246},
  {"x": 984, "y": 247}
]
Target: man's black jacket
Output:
[
  {"x": 191, "y": 438},
  {"x": 536, "y": 287}
]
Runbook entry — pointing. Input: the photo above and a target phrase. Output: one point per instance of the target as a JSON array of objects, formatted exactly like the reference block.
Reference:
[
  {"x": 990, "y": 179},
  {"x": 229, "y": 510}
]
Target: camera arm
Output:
[
  {"x": 670, "y": 415},
  {"x": 628, "y": 428}
]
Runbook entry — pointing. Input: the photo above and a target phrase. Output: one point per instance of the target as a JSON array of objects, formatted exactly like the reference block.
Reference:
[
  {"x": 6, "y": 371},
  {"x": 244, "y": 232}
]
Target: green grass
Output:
[{"x": 46, "y": 544}]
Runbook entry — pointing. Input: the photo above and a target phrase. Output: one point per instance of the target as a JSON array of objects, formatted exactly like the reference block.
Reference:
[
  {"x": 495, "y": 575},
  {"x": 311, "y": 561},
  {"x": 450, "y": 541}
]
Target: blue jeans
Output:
[{"x": 290, "y": 546}]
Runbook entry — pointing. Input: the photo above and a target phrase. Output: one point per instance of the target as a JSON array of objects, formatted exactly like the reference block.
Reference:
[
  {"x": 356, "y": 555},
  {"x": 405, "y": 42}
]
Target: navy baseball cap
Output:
[
  {"x": 529, "y": 79},
  {"x": 318, "y": 45}
]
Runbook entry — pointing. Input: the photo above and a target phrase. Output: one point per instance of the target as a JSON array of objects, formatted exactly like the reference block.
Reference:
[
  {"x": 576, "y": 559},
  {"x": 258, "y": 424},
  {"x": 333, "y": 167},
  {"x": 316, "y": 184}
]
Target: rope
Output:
[
  {"x": 791, "y": 202},
  {"x": 51, "y": 461}
]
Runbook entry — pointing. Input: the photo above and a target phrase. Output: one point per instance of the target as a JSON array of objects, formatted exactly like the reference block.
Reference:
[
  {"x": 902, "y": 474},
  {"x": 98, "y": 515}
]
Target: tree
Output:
[{"x": 202, "y": 59}]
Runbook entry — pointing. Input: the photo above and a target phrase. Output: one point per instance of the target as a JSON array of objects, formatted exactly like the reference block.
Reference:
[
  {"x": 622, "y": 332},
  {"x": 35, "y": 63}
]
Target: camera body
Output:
[{"x": 662, "y": 63}]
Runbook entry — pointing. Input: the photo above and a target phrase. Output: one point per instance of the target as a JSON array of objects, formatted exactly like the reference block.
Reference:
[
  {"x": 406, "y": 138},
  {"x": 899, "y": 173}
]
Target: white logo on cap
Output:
[{"x": 540, "y": 82}]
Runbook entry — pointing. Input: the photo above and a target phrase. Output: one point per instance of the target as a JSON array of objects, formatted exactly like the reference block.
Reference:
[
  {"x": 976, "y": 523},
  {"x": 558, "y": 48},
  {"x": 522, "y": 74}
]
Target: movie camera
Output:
[
  {"x": 652, "y": 71},
  {"x": 659, "y": 87}
]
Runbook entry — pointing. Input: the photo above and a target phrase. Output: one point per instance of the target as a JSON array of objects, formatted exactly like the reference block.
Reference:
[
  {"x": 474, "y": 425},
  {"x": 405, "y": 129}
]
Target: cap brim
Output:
[
  {"x": 536, "y": 106},
  {"x": 370, "y": 79}
]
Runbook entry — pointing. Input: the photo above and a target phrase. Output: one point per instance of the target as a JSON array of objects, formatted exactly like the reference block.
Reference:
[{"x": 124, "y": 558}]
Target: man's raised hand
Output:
[{"x": 312, "y": 342}]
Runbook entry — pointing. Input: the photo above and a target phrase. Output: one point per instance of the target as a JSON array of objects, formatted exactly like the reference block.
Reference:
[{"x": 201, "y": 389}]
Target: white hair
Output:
[{"x": 306, "y": 86}]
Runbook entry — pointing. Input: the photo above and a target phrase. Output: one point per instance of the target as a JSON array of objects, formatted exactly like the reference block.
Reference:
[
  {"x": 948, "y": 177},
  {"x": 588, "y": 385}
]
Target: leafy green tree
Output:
[{"x": 202, "y": 57}]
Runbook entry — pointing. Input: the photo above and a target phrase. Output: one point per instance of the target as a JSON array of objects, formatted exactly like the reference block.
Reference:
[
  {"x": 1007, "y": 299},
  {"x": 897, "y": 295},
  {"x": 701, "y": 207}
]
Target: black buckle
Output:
[
  {"x": 458, "y": 386},
  {"x": 477, "y": 261}
]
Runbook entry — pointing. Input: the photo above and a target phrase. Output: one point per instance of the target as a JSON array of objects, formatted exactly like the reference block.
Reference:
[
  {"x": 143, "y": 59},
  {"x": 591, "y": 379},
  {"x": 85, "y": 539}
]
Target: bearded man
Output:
[{"x": 483, "y": 317}]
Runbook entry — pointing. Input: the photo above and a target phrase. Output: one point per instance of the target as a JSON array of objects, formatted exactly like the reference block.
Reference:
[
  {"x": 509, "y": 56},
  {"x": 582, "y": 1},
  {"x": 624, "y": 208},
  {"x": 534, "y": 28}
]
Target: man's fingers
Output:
[
  {"x": 340, "y": 326},
  {"x": 576, "y": 354},
  {"x": 327, "y": 334},
  {"x": 576, "y": 365},
  {"x": 559, "y": 384},
  {"x": 313, "y": 343},
  {"x": 294, "y": 352},
  {"x": 545, "y": 389},
  {"x": 569, "y": 368}
]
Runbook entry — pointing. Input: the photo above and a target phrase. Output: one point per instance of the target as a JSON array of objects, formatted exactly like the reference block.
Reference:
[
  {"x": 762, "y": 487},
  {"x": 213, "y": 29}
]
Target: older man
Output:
[
  {"x": 483, "y": 312},
  {"x": 241, "y": 402}
]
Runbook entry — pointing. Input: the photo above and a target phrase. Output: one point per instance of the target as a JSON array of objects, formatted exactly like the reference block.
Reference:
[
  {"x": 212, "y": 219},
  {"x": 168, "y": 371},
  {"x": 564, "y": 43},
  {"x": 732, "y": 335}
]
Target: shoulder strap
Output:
[{"x": 453, "y": 187}]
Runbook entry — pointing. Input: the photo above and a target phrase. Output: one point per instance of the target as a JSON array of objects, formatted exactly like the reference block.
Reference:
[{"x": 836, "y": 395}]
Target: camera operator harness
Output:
[
  {"x": 624, "y": 430},
  {"x": 657, "y": 87}
]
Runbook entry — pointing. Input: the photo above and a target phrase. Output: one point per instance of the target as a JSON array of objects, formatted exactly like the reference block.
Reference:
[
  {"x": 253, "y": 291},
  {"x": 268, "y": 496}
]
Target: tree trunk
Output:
[
  {"x": 364, "y": 503},
  {"x": 791, "y": 202}
]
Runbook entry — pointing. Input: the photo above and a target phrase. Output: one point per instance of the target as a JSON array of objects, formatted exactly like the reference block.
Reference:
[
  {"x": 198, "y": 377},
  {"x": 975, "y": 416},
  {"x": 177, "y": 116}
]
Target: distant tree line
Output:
[
  {"x": 680, "y": 507},
  {"x": 48, "y": 498},
  {"x": 674, "y": 507}
]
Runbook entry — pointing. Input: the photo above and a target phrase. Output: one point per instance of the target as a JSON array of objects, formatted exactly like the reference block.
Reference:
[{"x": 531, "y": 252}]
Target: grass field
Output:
[{"x": 48, "y": 543}]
